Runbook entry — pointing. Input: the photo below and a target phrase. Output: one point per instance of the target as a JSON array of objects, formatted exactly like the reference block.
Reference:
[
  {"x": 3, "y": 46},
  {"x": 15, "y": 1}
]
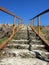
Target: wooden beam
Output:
[
  {"x": 38, "y": 25},
  {"x": 42, "y": 38}
]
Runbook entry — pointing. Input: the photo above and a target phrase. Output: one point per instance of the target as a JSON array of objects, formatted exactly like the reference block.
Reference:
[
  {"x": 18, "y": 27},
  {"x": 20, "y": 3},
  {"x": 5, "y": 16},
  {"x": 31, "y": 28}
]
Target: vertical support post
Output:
[
  {"x": 19, "y": 22},
  {"x": 14, "y": 24},
  {"x": 30, "y": 23},
  {"x": 14, "y": 21},
  {"x": 33, "y": 22},
  {"x": 38, "y": 25}
]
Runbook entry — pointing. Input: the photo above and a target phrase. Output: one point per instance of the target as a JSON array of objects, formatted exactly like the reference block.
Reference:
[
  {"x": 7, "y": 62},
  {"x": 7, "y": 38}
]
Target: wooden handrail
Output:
[
  {"x": 47, "y": 10},
  {"x": 46, "y": 42},
  {"x": 6, "y": 11},
  {"x": 8, "y": 39}
]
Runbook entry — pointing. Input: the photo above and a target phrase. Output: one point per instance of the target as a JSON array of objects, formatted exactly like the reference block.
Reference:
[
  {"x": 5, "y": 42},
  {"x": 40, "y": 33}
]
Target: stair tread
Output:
[
  {"x": 41, "y": 51},
  {"x": 20, "y": 40}
]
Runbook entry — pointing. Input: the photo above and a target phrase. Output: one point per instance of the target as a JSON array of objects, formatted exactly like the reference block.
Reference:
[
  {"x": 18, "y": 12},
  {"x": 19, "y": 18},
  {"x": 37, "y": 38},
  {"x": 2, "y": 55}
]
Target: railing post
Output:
[
  {"x": 14, "y": 24},
  {"x": 30, "y": 23},
  {"x": 14, "y": 21},
  {"x": 33, "y": 22},
  {"x": 19, "y": 22},
  {"x": 38, "y": 25}
]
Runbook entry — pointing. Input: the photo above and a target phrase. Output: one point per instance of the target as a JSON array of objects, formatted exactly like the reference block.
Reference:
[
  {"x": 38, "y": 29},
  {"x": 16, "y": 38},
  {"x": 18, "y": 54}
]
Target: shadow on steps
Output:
[{"x": 38, "y": 55}]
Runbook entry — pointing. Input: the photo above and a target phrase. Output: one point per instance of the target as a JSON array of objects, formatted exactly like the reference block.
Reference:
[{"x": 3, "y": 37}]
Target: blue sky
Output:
[{"x": 25, "y": 9}]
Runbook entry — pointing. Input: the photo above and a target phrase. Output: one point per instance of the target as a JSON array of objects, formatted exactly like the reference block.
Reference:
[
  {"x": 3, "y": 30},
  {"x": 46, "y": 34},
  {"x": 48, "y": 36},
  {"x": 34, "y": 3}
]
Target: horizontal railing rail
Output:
[{"x": 47, "y": 10}]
